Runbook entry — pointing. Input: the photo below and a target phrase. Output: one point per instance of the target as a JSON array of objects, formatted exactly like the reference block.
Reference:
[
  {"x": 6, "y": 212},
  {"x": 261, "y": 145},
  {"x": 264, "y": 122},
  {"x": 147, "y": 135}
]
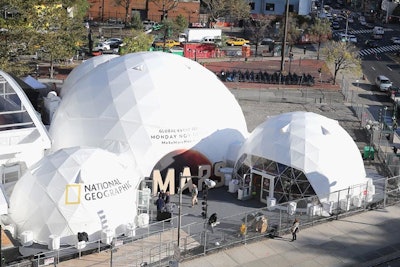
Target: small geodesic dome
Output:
[
  {"x": 149, "y": 104},
  {"x": 311, "y": 143},
  {"x": 75, "y": 190}
]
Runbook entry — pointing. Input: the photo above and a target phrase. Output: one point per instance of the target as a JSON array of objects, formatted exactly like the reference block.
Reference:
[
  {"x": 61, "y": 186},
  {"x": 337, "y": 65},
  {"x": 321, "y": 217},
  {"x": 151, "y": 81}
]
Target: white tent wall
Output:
[
  {"x": 75, "y": 190},
  {"x": 312, "y": 143},
  {"x": 148, "y": 104}
]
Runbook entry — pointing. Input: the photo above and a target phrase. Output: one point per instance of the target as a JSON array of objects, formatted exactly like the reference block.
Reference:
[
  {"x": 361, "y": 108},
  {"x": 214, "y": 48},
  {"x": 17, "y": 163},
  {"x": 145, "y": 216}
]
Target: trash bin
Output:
[{"x": 369, "y": 152}]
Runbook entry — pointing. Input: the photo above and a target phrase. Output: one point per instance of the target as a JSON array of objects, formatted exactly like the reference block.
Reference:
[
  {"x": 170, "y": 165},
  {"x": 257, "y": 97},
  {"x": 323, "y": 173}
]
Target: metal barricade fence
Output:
[{"x": 155, "y": 244}]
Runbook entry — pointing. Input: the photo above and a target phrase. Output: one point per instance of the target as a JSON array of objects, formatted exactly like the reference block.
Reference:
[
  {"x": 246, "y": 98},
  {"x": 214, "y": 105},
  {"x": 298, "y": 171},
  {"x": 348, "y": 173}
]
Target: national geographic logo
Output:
[{"x": 96, "y": 191}]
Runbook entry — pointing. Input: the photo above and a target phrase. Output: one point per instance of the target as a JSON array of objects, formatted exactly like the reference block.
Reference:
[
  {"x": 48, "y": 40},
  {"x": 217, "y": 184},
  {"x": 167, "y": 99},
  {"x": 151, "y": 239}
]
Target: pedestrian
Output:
[
  {"x": 167, "y": 197},
  {"x": 162, "y": 194},
  {"x": 295, "y": 229},
  {"x": 195, "y": 192},
  {"x": 305, "y": 50},
  {"x": 160, "y": 205}
]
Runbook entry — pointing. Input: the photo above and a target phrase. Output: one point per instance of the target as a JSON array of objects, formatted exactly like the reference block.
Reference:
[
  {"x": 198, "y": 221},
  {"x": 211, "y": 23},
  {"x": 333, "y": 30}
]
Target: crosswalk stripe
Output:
[{"x": 382, "y": 49}]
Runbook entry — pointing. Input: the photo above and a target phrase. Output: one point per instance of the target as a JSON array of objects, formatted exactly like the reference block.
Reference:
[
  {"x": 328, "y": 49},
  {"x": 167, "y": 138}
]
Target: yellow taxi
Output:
[
  {"x": 168, "y": 43},
  {"x": 237, "y": 41}
]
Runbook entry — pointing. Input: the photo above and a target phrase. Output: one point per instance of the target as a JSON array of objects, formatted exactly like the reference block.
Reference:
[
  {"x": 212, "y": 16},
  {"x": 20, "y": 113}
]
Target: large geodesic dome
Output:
[
  {"x": 311, "y": 143},
  {"x": 75, "y": 190},
  {"x": 82, "y": 69},
  {"x": 148, "y": 104}
]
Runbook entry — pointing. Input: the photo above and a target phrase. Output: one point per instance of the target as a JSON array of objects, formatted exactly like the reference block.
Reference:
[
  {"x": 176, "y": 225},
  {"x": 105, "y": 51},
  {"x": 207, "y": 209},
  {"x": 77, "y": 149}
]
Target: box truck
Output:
[{"x": 200, "y": 35}]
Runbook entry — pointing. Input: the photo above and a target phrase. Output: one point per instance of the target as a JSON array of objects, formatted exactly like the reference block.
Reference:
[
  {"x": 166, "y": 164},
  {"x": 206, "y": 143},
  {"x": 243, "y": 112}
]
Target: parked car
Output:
[
  {"x": 267, "y": 41},
  {"x": 151, "y": 25},
  {"x": 101, "y": 46},
  {"x": 114, "y": 42},
  {"x": 168, "y": 43},
  {"x": 237, "y": 41},
  {"x": 383, "y": 83}
]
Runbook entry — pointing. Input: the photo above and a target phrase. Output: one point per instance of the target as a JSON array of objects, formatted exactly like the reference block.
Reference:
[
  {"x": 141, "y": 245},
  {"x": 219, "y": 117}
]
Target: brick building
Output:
[{"x": 108, "y": 10}]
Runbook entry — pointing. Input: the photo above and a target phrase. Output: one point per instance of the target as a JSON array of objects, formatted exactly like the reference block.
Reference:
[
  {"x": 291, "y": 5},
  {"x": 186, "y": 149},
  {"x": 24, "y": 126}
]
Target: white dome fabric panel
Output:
[
  {"x": 75, "y": 190},
  {"x": 317, "y": 145},
  {"x": 82, "y": 70},
  {"x": 148, "y": 104}
]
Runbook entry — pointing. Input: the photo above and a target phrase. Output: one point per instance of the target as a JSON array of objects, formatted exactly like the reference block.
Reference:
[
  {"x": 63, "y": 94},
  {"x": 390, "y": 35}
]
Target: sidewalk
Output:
[
  {"x": 366, "y": 239},
  {"x": 301, "y": 63}
]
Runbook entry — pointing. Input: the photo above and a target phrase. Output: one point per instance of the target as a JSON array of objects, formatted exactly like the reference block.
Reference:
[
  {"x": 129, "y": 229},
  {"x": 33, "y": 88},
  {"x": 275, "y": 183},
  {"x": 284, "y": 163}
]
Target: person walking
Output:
[
  {"x": 295, "y": 229},
  {"x": 195, "y": 192}
]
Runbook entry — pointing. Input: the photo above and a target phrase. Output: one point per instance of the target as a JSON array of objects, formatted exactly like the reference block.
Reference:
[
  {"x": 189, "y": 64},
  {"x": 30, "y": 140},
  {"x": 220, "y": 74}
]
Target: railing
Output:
[{"x": 156, "y": 243}]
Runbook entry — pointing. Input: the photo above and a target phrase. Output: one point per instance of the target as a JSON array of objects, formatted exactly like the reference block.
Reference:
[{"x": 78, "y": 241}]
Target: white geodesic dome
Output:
[
  {"x": 75, "y": 190},
  {"x": 81, "y": 70},
  {"x": 312, "y": 143},
  {"x": 149, "y": 104}
]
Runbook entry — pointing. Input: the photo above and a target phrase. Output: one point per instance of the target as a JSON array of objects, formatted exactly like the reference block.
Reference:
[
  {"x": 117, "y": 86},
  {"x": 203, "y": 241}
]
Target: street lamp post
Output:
[{"x": 285, "y": 36}]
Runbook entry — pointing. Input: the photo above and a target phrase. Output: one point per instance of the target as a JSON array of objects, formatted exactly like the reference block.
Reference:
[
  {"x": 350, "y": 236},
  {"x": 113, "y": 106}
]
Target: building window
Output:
[
  {"x": 269, "y": 7},
  {"x": 252, "y": 5}
]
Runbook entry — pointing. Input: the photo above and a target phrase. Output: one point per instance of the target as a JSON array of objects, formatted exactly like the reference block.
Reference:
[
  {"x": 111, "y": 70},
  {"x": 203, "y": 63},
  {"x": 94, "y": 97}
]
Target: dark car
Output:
[
  {"x": 335, "y": 25},
  {"x": 114, "y": 42},
  {"x": 369, "y": 26},
  {"x": 371, "y": 43}
]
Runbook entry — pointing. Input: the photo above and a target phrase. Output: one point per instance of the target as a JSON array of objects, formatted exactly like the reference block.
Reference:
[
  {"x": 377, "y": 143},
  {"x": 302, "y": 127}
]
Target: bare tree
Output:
[
  {"x": 344, "y": 56},
  {"x": 235, "y": 9},
  {"x": 257, "y": 28},
  {"x": 320, "y": 31},
  {"x": 165, "y": 6},
  {"x": 294, "y": 31},
  {"x": 126, "y": 5}
]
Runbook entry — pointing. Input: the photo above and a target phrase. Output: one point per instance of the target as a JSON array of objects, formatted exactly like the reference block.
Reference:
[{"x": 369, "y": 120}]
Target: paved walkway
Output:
[{"x": 365, "y": 239}]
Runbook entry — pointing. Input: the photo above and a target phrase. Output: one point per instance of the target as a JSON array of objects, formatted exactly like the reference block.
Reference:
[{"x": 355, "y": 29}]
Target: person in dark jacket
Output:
[
  {"x": 160, "y": 205},
  {"x": 167, "y": 197}
]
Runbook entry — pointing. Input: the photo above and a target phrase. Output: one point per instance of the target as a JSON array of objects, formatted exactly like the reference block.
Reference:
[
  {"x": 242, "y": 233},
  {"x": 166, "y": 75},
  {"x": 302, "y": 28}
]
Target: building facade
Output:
[
  {"x": 278, "y": 7},
  {"x": 109, "y": 11}
]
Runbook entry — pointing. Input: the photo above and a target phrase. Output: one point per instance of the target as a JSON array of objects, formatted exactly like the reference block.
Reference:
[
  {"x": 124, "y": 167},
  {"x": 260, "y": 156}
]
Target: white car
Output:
[
  {"x": 348, "y": 38},
  {"x": 101, "y": 47},
  {"x": 383, "y": 83}
]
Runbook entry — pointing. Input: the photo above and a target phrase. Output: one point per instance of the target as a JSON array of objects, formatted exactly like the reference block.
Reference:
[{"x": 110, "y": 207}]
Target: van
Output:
[{"x": 211, "y": 40}]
